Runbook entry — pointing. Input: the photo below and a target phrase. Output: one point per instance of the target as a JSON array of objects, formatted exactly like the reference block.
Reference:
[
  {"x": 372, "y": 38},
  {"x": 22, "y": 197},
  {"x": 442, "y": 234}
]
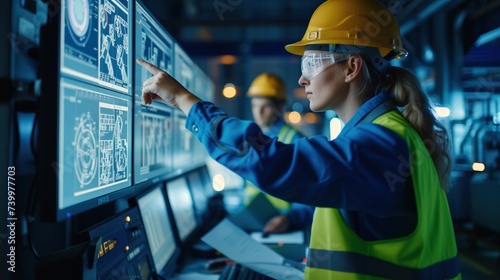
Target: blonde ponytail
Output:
[{"x": 407, "y": 93}]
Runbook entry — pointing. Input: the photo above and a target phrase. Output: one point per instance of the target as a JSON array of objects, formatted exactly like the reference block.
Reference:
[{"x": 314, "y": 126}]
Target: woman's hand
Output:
[{"x": 163, "y": 87}]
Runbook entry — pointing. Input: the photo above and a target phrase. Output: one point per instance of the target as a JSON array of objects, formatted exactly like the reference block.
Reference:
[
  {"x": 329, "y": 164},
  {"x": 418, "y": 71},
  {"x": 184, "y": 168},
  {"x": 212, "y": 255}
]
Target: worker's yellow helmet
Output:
[
  {"x": 361, "y": 23},
  {"x": 267, "y": 85}
]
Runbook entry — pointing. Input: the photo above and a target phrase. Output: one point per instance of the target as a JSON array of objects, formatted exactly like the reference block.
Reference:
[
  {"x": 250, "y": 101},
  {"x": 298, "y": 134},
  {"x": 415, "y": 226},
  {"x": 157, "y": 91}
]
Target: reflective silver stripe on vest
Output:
[{"x": 361, "y": 264}]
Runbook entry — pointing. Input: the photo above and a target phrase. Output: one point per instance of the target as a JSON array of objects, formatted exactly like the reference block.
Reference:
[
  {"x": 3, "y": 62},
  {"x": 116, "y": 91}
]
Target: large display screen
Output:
[
  {"x": 159, "y": 230},
  {"x": 94, "y": 142},
  {"x": 181, "y": 201},
  {"x": 95, "y": 36},
  {"x": 152, "y": 141},
  {"x": 97, "y": 141},
  {"x": 86, "y": 125},
  {"x": 153, "y": 124}
]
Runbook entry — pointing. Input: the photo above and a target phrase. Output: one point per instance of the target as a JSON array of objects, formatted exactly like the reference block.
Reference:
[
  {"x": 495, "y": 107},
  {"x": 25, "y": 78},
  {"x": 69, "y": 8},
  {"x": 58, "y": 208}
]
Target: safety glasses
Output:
[{"x": 314, "y": 63}]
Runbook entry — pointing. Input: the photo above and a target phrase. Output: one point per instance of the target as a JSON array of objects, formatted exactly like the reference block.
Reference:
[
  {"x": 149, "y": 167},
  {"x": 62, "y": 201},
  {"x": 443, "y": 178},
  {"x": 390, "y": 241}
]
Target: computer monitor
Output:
[
  {"x": 94, "y": 137},
  {"x": 181, "y": 202},
  {"x": 160, "y": 233},
  {"x": 201, "y": 190},
  {"x": 85, "y": 130},
  {"x": 153, "y": 124}
]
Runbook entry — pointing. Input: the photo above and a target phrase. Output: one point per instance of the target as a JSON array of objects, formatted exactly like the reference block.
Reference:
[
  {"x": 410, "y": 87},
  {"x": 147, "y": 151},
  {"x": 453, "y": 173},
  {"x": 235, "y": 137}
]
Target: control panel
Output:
[{"x": 124, "y": 251}]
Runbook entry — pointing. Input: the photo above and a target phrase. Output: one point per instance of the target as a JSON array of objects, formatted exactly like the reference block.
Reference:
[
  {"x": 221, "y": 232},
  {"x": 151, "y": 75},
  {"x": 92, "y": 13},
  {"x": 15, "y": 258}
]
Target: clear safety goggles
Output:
[{"x": 314, "y": 63}]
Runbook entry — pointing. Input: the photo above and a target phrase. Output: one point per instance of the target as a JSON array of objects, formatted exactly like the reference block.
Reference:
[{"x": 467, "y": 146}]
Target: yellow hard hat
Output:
[
  {"x": 267, "y": 85},
  {"x": 359, "y": 23}
]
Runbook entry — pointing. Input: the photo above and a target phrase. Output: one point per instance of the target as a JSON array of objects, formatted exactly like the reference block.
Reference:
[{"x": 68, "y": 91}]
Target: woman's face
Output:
[{"x": 327, "y": 89}]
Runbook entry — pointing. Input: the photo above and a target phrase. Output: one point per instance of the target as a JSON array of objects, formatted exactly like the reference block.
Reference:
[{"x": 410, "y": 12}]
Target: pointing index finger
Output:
[{"x": 150, "y": 67}]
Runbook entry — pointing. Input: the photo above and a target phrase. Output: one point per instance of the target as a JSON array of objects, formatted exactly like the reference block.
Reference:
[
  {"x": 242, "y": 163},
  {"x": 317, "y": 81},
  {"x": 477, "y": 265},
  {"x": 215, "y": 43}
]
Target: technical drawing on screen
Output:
[
  {"x": 95, "y": 143},
  {"x": 153, "y": 124},
  {"x": 88, "y": 95},
  {"x": 95, "y": 41}
]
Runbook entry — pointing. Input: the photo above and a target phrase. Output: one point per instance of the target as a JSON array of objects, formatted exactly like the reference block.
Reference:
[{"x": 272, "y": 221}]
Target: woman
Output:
[{"x": 379, "y": 187}]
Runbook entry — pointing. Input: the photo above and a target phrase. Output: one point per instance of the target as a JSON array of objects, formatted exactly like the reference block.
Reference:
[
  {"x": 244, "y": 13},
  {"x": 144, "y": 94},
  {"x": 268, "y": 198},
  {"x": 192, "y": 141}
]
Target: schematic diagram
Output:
[
  {"x": 80, "y": 31},
  {"x": 79, "y": 19},
  {"x": 156, "y": 143},
  {"x": 154, "y": 51},
  {"x": 95, "y": 130},
  {"x": 114, "y": 42},
  {"x": 182, "y": 142},
  {"x": 96, "y": 41},
  {"x": 85, "y": 149},
  {"x": 153, "y": 45},
  {"x": 113, "y": 146}
]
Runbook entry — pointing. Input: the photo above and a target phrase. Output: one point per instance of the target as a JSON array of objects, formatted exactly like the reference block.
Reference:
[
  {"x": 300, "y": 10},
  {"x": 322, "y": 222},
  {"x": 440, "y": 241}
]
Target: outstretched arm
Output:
[{"x": 165, "y": 88}]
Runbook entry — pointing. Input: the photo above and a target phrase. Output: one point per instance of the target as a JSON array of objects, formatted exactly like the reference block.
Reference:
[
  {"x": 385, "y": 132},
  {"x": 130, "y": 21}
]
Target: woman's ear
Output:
[{"x": 353, "y": 67}]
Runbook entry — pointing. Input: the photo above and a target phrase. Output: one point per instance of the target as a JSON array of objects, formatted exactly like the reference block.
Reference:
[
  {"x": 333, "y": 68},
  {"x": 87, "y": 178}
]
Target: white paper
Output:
[
  {"x": 237, "y": 245},
  {"x": 294, "y": 237}
]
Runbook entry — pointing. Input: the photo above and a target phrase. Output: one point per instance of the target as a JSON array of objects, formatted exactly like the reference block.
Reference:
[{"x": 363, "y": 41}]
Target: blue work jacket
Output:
[{"x": 352, "y": 172}]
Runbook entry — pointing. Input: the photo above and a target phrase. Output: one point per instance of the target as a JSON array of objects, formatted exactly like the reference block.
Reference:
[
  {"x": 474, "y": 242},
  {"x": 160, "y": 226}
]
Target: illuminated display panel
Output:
[
  {"x": 85, "y": 128},
  {"x": 153, "y": 124},
  {"x": 159, "y": 230},
  {"x": 184, "y": 71},
  {"x": 181, "y": 201},
  {"x": 153, "y": 44},
  {"x": 152, "y": 142},
  {"x": 94, "y": 143},
  {"x": 95, "y": 42}
]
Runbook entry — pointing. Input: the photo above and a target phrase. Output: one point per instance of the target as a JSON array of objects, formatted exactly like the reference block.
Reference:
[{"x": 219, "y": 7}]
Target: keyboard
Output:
[{"x": 238, "y": 272}]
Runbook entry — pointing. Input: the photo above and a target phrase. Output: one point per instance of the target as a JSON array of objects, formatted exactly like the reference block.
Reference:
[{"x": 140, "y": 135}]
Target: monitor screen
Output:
[
  {"x": 86, "y": 125},
  {"x": 201, "y": 189},
  {"x": 153, "y": 124},
  {"x": 94, "y": 43},
  {"x": 152, "y": 43},
  {"x": 181, "y": 201},
  {"x": 94, "y": 139},
  {"x": 159, "y": 230}
]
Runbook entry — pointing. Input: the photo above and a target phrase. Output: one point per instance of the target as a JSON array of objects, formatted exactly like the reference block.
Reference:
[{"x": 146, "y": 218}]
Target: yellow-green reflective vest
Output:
[
  {"x": 429, "y": 252},
  {"x": 285, "y": 135}
]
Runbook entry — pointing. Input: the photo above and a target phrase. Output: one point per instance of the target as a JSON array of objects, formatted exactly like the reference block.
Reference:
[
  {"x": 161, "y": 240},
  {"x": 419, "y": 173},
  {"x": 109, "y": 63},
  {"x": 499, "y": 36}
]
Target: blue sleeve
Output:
[
  {"x": 300, "y": 215},
  {"x": 354, "y": 172}
]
